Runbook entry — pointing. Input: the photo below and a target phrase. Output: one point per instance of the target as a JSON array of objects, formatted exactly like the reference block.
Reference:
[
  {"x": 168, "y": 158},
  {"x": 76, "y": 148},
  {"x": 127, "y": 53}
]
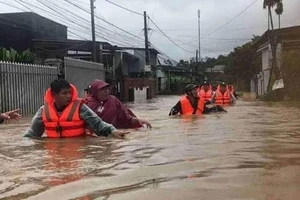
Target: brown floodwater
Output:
[{"x": 252, "y": 152}]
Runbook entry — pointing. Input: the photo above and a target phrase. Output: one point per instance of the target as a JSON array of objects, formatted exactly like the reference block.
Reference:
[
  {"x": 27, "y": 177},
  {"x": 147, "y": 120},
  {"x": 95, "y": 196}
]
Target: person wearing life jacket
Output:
[
  {"x": 205, "y": 92},
  {"x": 222, "y": 96},
  {"x": 191, "y": 104},
  {"x": 232, "y": 90},
  {"x": 64, "y": 115}
]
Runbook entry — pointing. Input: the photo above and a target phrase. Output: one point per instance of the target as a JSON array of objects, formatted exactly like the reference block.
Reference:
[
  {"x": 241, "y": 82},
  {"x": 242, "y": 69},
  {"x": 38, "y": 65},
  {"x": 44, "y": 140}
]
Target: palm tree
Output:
[
  {"x": 269, "y": 4},
  {"x": 279, "y": 11}
]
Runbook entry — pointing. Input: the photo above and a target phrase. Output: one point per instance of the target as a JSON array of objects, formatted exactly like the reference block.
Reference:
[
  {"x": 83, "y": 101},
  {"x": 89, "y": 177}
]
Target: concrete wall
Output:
[
  {"x": 161, "y": 80},
  {"x": 81, "y": 73}
]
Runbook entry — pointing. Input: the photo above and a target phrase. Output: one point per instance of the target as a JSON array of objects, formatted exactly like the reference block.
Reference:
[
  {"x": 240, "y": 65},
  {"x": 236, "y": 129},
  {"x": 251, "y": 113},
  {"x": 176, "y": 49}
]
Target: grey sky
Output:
[{"x": 178, "y": 19}]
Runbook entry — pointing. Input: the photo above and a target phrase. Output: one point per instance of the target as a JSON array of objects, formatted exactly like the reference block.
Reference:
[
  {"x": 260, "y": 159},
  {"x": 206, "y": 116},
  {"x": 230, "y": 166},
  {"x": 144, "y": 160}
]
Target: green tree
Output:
[
  {"x": 13, "y": 56},
  {"x": 291, "y": 73}
]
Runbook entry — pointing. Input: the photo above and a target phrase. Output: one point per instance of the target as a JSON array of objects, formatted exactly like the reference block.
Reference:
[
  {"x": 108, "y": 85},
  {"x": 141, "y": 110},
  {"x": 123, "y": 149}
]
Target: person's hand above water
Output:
[
  {"x": 144, "y": 122},
  {"x": 119, "y": 134},
  {"x": 11, "y": 115}
]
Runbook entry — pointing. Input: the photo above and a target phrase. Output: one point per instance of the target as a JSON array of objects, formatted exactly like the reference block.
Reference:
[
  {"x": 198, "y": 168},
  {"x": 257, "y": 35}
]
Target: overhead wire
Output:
[
  {"x": 168, "y": 36},
  {"x": 235, "y": 17},
  {"x": 137, "y": 13},
  {"x": 104, "y": 20}
]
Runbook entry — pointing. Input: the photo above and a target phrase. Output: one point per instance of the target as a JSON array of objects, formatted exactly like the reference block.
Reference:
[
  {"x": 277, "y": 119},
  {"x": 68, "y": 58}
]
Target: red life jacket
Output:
[
  {"x": 187, "y": 108},
  {"x": 205, "y": 96},
  {"x": 222, "y": 99},
  {"x": 68, "y": 124}
]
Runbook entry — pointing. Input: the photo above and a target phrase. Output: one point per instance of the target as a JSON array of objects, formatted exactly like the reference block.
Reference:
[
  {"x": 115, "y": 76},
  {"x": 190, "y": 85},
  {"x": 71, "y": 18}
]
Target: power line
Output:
[
  {"x": 80, "y": 25},
  {"x": 169, "y": 37},
  {"x": 161, "y": 52},
  {"x": 125, "y": 8},
  {"x": 13, "y": 6},
  {"x": 85, "y": 28},
  {"x": 104, "y": 20},
  {"x": 230, "y": 20}
]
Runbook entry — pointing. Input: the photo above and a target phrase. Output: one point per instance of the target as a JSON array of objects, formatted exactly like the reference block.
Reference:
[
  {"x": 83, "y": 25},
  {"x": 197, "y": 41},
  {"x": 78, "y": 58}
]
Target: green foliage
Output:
[
  {"x": 291, "y": 73},
  {"x": 240, "y": 65},
  {"x": 13, "y": 56}
]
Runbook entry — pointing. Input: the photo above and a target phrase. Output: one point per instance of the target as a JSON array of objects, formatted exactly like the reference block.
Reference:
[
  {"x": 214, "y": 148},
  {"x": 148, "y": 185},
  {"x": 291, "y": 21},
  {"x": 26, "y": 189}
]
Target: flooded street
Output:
[{"x": 252, "y": 152}]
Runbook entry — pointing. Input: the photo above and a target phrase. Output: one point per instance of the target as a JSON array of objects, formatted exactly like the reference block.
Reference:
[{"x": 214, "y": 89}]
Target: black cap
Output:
[
  {"x": 223, "y": 84},
  {"x": 190, "y": 87},
  {"x": 205, "y": 83},
  {"x": 88, "y": 88}
]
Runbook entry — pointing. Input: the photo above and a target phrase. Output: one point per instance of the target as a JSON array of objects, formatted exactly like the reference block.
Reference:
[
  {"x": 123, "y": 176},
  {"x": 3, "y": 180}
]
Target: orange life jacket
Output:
[
  {"x": 68, "y": 124},
  {"x": 222, "y": 99},
  {"x": 231, "y": 89},
  {"x": 205, "y": 96},
  {"x": 187, "y": 108}
]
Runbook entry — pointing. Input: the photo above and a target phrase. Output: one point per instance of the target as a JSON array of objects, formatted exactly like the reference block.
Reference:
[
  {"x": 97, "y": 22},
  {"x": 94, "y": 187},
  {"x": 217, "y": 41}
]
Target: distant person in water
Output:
[
  {"x": 191, "y": 104},
  {"x": 222, "y": 96},
  {"x": 110, "y": 109},
  {"x": 10, "y": 115}
]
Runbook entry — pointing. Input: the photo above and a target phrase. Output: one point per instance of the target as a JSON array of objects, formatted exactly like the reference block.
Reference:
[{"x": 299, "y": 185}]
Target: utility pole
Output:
[
  {"x": 147, "y": 55},
  {"x": 94, "y": 53},
  {"x": 199, "y": 37}
]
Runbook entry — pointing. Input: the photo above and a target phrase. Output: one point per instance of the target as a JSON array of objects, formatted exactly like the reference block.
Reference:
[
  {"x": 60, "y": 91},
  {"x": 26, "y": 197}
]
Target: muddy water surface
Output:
[{"x": 252, "y": 152}]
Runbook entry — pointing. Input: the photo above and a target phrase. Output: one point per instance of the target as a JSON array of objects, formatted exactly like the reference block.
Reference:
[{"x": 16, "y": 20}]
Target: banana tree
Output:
[{"x": 12, "y": 55}]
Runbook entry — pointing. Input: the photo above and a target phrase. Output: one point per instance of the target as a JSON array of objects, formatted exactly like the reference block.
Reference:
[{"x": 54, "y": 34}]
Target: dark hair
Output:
[{"x": 59, "y": 84}]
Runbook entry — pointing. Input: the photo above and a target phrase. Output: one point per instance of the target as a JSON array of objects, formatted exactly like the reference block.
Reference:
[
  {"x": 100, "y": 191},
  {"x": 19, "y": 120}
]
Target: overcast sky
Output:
[{"x": 177, "y": 18}]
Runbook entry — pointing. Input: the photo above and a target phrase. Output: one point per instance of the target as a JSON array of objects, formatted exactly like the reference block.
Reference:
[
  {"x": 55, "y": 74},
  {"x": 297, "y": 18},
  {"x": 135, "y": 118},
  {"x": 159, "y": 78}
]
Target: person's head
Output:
[
  {"x": 223, "y": 87},
  {"x": 205, "y": 86},
  {"x": 87, "y": 91},
  {"x": 61, "y": 92},
  {"x": 100, "y": 90},
  {"x": 191, "y": 90}
]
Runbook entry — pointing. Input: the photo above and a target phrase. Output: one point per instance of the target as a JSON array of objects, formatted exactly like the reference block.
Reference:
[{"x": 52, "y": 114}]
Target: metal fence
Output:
[
  {"x": 23, "y": 86},
  {"x": 81, "y": 73}
]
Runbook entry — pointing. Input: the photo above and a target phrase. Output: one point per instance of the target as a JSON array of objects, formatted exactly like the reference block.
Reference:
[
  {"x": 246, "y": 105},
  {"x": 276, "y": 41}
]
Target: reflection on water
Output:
[{"x": 252, "y": 152}]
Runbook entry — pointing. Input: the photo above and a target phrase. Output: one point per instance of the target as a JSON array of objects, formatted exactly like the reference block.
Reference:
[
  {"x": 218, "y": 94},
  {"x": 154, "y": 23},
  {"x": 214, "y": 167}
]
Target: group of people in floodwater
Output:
[{"x": 64, "y": 114}]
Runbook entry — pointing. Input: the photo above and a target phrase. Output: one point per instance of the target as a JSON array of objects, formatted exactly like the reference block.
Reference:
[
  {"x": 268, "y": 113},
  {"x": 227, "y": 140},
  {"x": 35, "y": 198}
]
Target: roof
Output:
[
  {"x": 216, "y": 68},
  {"x": 293, "y": 31},
  {"x": 65, "y": 45},
  {"x": 134, "y": 48},
  {"x": 21, "y": 14}
]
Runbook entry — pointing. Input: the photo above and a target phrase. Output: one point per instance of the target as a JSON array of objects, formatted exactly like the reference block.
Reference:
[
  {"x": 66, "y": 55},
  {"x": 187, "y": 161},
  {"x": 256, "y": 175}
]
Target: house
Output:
[
  {"x": 134, "y": 79},
  {"x": 19, "y": 29},
  {"x": 125, "y": 67},
  {"x": 216, "y": 69},
  {"x": 287, "y": 40}
]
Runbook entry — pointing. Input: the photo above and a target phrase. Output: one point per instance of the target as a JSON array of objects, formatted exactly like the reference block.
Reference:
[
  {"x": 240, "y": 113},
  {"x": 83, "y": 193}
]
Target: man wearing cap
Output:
[
  {"x": 191, "y": 104},
  {"x": 110, "y": 109},
  {"x": 222, "y": 95},
  {"x": 205, "y": 92}
]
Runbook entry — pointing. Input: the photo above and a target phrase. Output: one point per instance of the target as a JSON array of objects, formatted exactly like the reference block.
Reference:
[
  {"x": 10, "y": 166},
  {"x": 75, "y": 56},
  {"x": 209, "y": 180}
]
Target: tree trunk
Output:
[{"x": 273, "y": 49}]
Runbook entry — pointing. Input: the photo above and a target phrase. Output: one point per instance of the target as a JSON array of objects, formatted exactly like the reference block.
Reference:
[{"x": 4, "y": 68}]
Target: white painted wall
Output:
[{"x": 140, "y": 95}]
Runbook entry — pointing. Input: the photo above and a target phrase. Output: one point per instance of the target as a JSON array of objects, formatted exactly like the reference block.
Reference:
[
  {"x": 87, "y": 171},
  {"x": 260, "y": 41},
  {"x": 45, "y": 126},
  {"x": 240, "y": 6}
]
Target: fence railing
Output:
[
  {"x": 23, "y": 86},
  {"x": 81, "y": 73}
]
